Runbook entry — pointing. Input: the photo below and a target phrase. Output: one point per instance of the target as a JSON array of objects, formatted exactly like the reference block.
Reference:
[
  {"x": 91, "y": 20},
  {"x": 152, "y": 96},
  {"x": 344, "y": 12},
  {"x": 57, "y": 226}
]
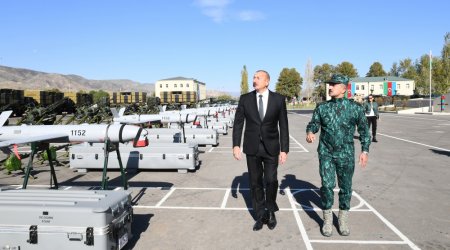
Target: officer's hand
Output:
[
  {"x": 310, "y": 137},
  {"x": 237, "y": 153},
  {"x": 282, "y": 158},
  {"x": 363, "y": 158}
]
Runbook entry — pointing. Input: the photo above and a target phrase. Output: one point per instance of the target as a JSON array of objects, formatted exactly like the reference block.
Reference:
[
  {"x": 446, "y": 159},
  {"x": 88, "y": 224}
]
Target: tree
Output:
[
  {"x": 346, "y": 68},
  {"x": 308, "y": 84},
  {"x": 320, "y": 92},
  {"x": 394, "y": 70},
  {"x": 225, "y": 98},
  {"x": 439, "y": 80},
  {"x": 446, "y": 63},
  {"x": 153, "y": 103},
  {"x": 289, "y": 83},
  {"x": 321, "y": 74},
  {"x": 99, "y": 96},
  {"x": 407, "y": 69},
  {"x": 423, "y": 75},
  {"x": 244, "y": 80},
  {"x": 420, "y": 71},
  {"x": 376, "y": 69}
]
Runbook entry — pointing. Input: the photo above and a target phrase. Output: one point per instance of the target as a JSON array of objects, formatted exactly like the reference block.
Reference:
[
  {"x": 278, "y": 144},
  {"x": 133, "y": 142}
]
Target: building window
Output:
[
  {"x": 160, "y": 85},
  {"x": 398, "y": 86},
  {"x": 167, "y": 85},
  {"x": 381, "y": 86},
  {"x": 407, "y": 85},
  {"x": 357, "y": 87},
  {"x": 181, "y": 85},
  {"x": 175, "y": 85},
  {"x": 371, "y": 87},
  {"x": 187, "y": 85},
  {"x": 362, "y": 87}
]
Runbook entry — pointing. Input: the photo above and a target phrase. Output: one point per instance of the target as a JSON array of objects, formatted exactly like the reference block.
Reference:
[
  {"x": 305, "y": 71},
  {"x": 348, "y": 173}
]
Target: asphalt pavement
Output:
[{"x": 401, "y": 200}]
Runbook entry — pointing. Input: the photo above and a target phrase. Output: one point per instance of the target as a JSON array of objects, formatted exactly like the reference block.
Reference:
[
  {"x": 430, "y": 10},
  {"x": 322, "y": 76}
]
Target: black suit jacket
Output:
[{"x": 274, "y": 139}]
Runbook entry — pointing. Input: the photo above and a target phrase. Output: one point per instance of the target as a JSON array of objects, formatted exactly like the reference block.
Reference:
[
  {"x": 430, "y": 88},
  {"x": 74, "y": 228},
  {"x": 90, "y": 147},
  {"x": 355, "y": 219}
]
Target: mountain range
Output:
[{"x": 17, "y": 78}]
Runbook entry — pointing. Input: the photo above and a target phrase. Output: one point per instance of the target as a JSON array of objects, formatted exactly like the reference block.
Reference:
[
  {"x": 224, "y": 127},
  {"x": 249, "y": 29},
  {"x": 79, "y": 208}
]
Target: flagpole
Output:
[{"x": 431, "y": 108}]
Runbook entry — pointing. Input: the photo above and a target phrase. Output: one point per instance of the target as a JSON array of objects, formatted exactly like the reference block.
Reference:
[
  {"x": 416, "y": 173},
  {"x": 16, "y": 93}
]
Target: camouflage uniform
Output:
[{"x": 337, "y": 119}]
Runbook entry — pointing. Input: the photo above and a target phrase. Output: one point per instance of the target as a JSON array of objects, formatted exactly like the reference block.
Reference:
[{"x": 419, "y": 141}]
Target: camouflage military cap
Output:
[{"x": 338, "y": 78}]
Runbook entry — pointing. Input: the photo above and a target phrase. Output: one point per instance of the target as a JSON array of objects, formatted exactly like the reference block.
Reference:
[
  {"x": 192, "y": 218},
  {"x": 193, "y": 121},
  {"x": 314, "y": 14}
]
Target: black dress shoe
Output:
[
  {"x": 272, "y": 222},
  {"x": 258, "y": 225},
  {"x": 374, "y": 139}
]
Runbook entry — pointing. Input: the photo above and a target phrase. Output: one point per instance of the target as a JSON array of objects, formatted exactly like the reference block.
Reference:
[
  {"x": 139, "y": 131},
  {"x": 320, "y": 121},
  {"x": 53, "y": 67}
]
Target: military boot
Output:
[
  {"x": 327, "y": 227},
  {"x": 343, "y": 223}
]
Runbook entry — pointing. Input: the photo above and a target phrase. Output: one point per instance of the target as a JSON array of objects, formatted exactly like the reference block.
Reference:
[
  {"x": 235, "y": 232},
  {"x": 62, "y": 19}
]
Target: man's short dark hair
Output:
[{"x": 267, "y": 73}]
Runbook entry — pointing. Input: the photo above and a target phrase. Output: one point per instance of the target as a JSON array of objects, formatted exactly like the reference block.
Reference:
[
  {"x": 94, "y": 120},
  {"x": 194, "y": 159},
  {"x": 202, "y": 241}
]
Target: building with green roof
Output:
[{"x": 381, "y": 85}]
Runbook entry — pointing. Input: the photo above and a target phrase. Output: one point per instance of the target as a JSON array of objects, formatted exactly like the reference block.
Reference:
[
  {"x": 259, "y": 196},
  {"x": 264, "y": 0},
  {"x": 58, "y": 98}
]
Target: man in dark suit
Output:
[{"x": 266, "y": 143}]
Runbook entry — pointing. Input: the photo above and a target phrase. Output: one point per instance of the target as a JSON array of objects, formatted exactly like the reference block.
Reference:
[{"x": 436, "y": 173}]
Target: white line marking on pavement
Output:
[
  {"x": 320, "y": 210},
  {"x": 298, "y": 219},
  {"x": 225, "y": 198},
  {"x": 67, "y": 188},
  {"x": 233, "y": 208},
  {"x": 315, "y": 190},
  {"x": 411, "y": 117},
  {"x": 298, "y": 143},
  {"x": 190, "y": 208},
  {"x": 34, "y": 185},
  {"x": 390, "y": 225},
  {"x": 228, "y": 152},
  {"x": 360, "y": 242},
  {"x": 212, "y": 148},
  {"x": 418, "y": 143},
  {"x": 207, "y": 188},
  {"x": 165, "y": 197}
]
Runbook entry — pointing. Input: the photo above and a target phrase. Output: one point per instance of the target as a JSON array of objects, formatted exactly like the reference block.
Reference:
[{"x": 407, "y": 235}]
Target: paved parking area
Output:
[{"x": 400, "y": 201}]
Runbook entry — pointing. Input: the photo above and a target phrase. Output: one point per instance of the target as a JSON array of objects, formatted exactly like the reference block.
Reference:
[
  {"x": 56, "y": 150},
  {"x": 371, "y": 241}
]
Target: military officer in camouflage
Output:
[{"x": 337, "y": 119}]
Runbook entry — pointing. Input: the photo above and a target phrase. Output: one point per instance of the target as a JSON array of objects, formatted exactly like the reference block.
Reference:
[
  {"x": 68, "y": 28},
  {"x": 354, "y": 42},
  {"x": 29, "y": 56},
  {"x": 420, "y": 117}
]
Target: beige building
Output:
[{"x": 181, "y": 85}]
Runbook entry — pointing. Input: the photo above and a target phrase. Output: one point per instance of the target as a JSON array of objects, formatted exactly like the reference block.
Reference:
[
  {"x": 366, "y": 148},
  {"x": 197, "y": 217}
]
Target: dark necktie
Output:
[{"x": 261, "y": 108}]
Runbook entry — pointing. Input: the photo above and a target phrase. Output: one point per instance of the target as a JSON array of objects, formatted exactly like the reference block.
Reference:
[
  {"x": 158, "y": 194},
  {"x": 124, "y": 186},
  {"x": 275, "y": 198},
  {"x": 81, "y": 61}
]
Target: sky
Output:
[{"x": 212, "y": 40}]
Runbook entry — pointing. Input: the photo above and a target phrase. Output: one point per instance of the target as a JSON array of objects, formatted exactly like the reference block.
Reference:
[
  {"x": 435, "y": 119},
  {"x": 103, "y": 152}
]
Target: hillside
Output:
[{"x": 17, "y": 78}]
